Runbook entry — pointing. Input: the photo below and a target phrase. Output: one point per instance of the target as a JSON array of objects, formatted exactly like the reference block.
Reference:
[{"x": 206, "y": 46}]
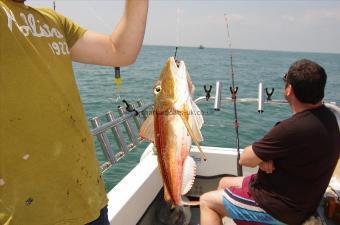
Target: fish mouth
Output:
[{"x": 176, "y": 62}]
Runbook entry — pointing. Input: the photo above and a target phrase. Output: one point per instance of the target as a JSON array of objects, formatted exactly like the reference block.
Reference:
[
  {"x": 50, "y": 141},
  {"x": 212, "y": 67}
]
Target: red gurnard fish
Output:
[{"x": 174, "y": 123}]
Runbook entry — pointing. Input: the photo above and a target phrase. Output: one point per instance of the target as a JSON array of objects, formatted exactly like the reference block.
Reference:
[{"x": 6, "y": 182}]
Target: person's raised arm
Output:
[{"x": 122, "y": 46}]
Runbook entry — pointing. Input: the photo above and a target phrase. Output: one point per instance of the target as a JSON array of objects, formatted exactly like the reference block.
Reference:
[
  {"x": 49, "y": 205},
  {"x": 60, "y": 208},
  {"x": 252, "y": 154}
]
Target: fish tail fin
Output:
[{"x": 190, "y": 203}]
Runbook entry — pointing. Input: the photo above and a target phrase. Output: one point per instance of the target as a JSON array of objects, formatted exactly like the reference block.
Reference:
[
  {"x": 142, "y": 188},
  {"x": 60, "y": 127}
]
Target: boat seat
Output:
[{"x": 335, "y": 191}]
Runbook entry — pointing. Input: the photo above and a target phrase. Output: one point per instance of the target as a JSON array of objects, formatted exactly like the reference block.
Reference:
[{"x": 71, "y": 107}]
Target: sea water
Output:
[{"x": 206, "y": 66}]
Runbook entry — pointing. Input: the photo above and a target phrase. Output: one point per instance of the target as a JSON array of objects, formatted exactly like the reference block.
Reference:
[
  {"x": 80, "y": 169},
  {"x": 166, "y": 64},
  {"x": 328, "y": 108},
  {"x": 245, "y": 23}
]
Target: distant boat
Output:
[{"x": 201, "y": 47}]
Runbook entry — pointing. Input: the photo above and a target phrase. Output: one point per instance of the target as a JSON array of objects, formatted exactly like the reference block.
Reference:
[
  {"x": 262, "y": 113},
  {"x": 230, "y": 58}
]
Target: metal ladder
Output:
[{"x": 102, "y": 125}]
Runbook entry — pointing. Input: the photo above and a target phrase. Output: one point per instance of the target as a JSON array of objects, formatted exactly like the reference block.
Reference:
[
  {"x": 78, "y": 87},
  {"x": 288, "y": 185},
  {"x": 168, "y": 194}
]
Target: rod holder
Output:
[
  {"x": 130, "y": 107},
  {"x": 128, "y": 127},
  {"x": 207, "y": 92},
  {"x": 104, "y": 141},
  {"x": 117, "y": 132},
  {"x": 218, "y": 96},
  {"x": 269, "y": 93},
  {"x": 260, "y": 99}
]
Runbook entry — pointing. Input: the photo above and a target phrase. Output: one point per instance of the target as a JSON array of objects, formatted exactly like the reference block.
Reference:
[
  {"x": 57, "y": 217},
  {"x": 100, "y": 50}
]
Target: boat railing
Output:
[
  {"x": 218, "y": 99},
  {"x": 133, "y": 115},
  {"x": 264, "y": 97}
]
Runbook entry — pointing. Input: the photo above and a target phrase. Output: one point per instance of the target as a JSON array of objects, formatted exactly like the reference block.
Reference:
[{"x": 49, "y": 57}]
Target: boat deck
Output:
[
  {"x": 160, "y": 213},
  {"x": 141, "y": 191}
]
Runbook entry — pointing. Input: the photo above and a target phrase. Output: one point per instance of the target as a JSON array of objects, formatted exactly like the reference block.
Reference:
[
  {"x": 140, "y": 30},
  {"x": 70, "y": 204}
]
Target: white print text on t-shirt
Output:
[{"x": 31, "y": 26}]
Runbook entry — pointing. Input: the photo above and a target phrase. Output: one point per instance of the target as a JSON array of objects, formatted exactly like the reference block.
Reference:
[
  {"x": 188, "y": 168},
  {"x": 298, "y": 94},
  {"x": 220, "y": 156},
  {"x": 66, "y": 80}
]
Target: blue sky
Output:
[{"x": 312, "y": 26}]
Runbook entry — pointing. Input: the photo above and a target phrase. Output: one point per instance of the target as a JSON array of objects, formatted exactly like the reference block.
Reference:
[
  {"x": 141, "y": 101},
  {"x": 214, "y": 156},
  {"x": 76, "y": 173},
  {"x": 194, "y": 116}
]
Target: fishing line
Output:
[
  {"x": 178, "y": 31},
  {"x": 117, "y": 78},
  {"x": 178, "y": 28},
  {"x": 233, "y": 91}
]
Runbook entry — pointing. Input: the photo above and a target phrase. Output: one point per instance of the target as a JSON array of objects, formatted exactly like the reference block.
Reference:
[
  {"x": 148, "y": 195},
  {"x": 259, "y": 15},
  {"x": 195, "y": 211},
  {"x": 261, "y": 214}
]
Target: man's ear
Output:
[{"x": 289, "y": 90}]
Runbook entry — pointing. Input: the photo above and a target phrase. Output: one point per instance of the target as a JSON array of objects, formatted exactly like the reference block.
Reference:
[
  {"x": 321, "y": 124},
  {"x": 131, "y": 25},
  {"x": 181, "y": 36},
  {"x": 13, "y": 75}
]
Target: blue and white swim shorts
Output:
[{"x": 243, "y": 209}]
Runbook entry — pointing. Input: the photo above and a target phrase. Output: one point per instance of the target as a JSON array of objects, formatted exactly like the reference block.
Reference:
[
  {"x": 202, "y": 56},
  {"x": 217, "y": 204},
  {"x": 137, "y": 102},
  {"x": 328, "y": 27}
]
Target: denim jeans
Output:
[{"x": 102, "y": 219}]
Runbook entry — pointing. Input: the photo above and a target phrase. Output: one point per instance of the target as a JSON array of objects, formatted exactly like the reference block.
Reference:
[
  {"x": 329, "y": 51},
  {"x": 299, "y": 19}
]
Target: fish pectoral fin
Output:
[
  {"x": 198, "y": 114},
  {"x": 147, "y": 131},
  {"x": 189, "y": 81},
  {"x": 195, "y": 120},
  {"x": 188, "y": 176},
  {"x": 193, "y": 136}
]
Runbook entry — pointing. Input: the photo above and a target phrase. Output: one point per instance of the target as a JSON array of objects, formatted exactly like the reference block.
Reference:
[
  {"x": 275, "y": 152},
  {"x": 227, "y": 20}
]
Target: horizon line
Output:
[{"x": 249, "y": 49}]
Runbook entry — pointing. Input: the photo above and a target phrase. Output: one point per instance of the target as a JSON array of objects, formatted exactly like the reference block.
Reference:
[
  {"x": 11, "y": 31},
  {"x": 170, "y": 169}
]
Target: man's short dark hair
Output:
[{"x": 308, "y": 80}]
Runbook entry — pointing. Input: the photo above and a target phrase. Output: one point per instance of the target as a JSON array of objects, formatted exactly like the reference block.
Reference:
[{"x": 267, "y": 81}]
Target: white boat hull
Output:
[{"x": 131, "y": 197}]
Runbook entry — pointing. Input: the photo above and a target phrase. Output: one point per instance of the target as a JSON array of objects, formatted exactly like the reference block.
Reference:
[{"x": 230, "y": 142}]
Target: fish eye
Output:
[{"x": 157, "y": 89}]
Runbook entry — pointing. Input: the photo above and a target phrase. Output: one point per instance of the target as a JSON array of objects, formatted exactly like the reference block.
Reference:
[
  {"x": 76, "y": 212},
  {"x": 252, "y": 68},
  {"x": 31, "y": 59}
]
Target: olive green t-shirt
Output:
[{"x": 48, "y": 169}]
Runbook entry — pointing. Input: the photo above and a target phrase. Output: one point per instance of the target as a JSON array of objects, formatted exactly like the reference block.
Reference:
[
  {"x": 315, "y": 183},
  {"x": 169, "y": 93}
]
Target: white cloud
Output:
[
  {"x": 235, "y": 18},
  {"x": 321, "y": 15},
  {"x": 288, "y": 18},
  {"x": 220, "y": 19}
]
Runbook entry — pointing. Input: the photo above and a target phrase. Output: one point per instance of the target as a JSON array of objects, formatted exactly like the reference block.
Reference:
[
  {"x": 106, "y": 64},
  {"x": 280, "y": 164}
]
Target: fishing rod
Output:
[
  {"x": 118, "y": 80},
  {"x": 233, "y": 91}
]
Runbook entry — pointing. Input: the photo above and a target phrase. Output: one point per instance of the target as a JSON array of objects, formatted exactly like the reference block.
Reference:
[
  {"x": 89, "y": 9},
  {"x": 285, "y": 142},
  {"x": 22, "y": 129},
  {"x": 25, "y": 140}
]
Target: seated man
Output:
[{"x": 296, "y": 160}]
